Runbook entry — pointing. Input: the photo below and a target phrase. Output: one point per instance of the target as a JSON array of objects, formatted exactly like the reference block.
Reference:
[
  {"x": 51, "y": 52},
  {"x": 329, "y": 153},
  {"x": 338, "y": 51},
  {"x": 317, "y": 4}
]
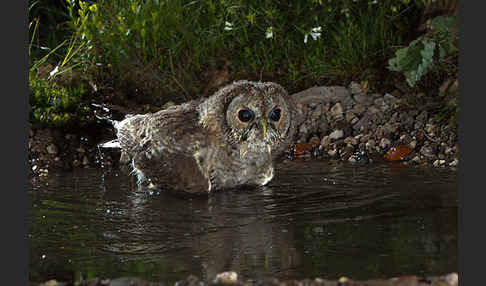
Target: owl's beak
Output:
[{"x": 264, "y": 127}]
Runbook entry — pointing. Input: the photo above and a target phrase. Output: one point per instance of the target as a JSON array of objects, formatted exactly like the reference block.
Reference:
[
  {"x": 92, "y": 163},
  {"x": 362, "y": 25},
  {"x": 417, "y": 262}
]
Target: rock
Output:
[
  {"x": 359, "y": 109},
  {"x": 325, "y": 141},
  {"x": 448, "y": 150},
  {"x": 333, "y": 152},
  {"x": 385, "y": 143},
  {"x": 351, "y": 141},
  {"x": 323, "y": 125},
  {"x": 405, "y": 139},
  {"x": 370, "y": 145},
  {"x": 349, "y": 116},
  {"x": 85, "y": 160},
  {"x": 413, "y": 144},
  {"x": 337, "y": 111},
  {"x": 347, "y": 152},
  {"x": 428, "y": 151},
  {"x": 422, "y": 117},
  {"x": 430, "y": 129},
  {"x": 324, "y": 94},
  {"x": 336, "y": 134},
  {"x": 363, "y": 124},
  {"x": 454, "y": 163},
  {"x": 52, "y": 149},
  {"x": 228, "y": 277},
  {"x": 355, "y": 88},
  {"x": 316, "y": 113},
  {"x": 391, "y": 100}
]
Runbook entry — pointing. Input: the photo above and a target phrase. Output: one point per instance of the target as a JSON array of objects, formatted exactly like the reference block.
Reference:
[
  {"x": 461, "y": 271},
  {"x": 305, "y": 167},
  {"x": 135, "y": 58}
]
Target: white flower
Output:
[
  {"x": 228, "y": 26},
  {"x": 374, "y": 2},
  {"x": 54, "y": 71},
  {"x": 269, "y": 33},
  {"x": 315, "y": 34}
]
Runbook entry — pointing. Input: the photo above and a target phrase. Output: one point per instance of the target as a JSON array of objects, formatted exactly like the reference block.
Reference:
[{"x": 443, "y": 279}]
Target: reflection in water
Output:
[{"x": 316, "y": 218}]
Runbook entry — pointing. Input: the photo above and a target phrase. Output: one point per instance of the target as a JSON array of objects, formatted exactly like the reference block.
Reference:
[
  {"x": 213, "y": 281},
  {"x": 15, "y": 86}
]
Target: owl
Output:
[{"x": 227, "y": 140}]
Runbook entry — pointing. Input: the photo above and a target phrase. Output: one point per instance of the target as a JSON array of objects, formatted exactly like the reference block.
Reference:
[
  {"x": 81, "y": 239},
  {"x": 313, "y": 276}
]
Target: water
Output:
[{"x": 315, "y": 219}]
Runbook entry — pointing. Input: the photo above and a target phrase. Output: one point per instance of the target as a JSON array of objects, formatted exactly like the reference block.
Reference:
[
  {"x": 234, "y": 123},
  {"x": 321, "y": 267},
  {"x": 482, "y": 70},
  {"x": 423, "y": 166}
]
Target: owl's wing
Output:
[{"x": 175, "y": 129}]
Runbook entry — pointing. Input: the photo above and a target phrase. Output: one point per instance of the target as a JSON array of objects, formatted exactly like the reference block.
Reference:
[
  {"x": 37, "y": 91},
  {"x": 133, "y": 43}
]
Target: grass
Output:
[
  {"x": 154, "y": 51},
  {"x": 162, "y": 49}
]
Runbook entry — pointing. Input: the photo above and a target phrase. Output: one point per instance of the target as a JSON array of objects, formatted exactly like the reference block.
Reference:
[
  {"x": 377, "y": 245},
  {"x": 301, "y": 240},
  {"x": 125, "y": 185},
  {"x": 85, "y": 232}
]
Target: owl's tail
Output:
[{"x": 106, "y": 118}]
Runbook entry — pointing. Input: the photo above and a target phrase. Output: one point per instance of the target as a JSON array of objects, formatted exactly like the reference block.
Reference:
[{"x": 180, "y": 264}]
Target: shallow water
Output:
[{"x": 315, "y": 219}]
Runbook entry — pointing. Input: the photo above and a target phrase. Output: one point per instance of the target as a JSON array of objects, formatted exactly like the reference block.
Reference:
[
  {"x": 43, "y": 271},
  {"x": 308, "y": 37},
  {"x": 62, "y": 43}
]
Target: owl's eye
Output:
[
  {"x": 275, "y": 114},
  {"x": 245, "y": 115}
]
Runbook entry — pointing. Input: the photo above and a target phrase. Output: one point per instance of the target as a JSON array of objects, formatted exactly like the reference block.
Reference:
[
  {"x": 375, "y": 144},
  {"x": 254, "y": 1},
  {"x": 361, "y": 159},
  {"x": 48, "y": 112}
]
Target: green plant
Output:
[
  {"x": 415, "y": 60},
  {"x": 51, "y": 105}
]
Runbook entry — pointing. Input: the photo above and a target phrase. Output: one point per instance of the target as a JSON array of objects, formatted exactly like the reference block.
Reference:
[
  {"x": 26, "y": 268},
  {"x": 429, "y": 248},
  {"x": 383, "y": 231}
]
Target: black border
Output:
[
  {"x": 471, "y": 121},
  {"x": 14, "y": 114}
]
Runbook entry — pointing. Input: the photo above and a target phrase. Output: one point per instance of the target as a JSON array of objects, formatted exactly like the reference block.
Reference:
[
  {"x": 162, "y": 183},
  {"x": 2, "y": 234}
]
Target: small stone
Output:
[
  {"x": 52, "y": 149},
  {"x": 354, "y": 120},
  {"x": 373, "y": 109},
  {"x": 85, "y": 161},
  {"x": 351, "y": 141},
  {"x": 430, "y": 129},
  {"x": 336, "y": 134},
  {"x": 76, "y": 163},
  {"x": 416, "y": 159},
  {"x": 332, "y": 152},
  {"x": 385, "y": 143},
  {"x": 448, "y": 150},
  {"x": 337, "y": 111},
  {"x": 325, "y": 141},
  {"x": 441, "y": 156},
  {"x": 355, "y": 88},
  {"x": 452, "y": 278},
  {"x": 364, "y": 138},
  {"x": 359, "y": 109},
  {"x": 412, "y": 144},
  {"x": 428, "y": 151},
  {"x": 349, "y": 116},
  {"x": 229, "y": 277},
  {"x": 370, "y": 144},
  {"x": 454, "y": 163},
  {"x": 316, "y": 113}
]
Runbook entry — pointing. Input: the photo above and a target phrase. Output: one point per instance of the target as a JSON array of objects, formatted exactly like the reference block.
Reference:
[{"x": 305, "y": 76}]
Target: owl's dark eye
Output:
[
  {"x": 275, "y": 114},
  {"x": 245, "y": 115}
]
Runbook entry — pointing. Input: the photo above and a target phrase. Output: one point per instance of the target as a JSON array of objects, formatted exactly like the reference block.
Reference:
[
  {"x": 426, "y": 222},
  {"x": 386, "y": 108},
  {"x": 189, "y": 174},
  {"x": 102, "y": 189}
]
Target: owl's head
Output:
[{"x": 255, "y": 116}]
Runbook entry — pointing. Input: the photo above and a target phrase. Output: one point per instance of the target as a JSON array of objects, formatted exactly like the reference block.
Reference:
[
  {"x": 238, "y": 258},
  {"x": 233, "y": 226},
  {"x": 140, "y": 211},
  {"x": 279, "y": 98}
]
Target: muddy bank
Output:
[
  {"x": 231, "y": 278},
  {"x": 344, "y": 123}
]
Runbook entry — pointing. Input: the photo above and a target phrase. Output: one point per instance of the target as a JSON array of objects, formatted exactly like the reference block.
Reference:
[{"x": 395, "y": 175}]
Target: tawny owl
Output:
[{"x": 227, "y": 140}]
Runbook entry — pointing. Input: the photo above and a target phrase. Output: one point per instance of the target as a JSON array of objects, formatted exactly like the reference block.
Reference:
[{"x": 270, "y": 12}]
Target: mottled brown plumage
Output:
[{"x": 227, "y": 140}]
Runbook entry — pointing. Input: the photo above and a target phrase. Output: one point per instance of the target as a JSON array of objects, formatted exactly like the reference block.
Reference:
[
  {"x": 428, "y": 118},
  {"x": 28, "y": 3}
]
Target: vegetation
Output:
[
  {"x": 417, "y": 58},
  {"x": 154, "y": 51}
]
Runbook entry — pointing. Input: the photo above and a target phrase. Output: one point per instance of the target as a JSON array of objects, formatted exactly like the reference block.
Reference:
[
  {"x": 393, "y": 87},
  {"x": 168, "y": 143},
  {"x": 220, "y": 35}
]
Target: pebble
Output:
[
  {"x": 332, "y": 152},
  {"x": 52, "y": 149},
  {"x": 336, "y": 134},
  {"x": 454, "y": 163},
  {"x": 229, "y": 277},
  {"x": 385, "y": 143},
  {"x": 325, "y": 141},
  {"x": 337, "y": 111}
]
